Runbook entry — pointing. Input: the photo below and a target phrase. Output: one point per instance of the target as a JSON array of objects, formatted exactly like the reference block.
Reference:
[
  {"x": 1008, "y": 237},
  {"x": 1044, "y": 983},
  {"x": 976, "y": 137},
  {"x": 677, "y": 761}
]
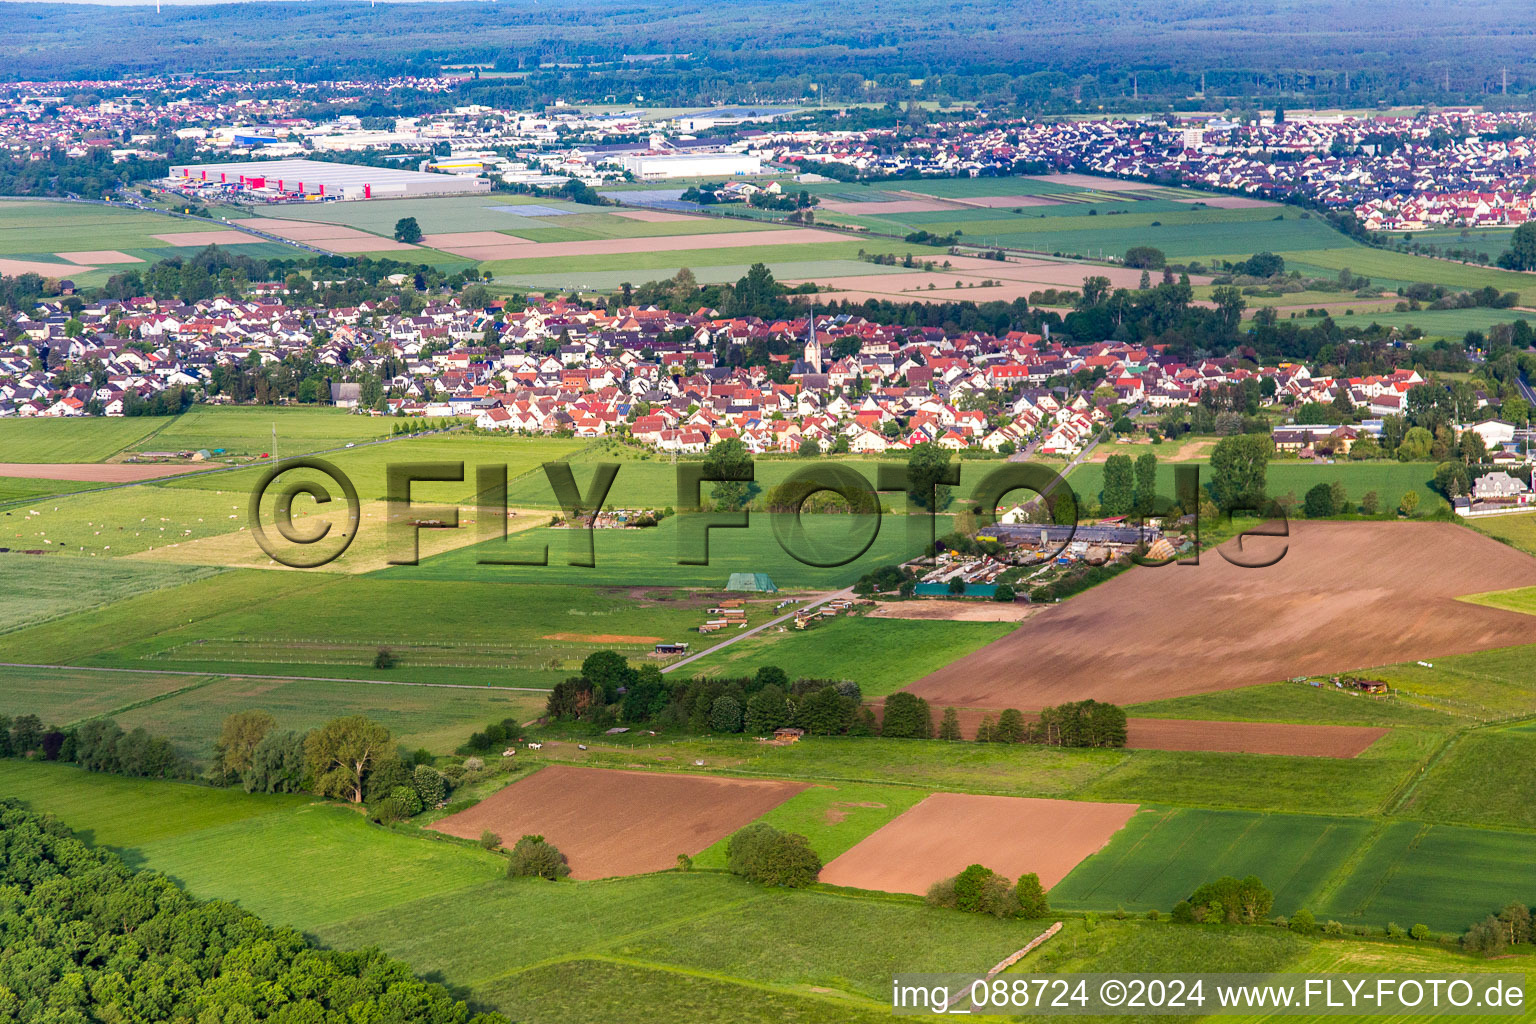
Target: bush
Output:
[
  {"x": 1032, "y": 901},
  {"x": 684, "y": 862},
  {"x": 725, "y": 715},
  {"x": 534, "y": 857},
  {"x": 765, "y": 855},
  {"x": 429, "y": 784},
  {"x": 1004, "y": 593},
  {"x": 384, "y": 658},
  {"x": 1419, "y": 932},
  {"x": 489, "y": 840},
  {"x": 1228, "y": 900},
  {"x": 1303, "y": 923}
]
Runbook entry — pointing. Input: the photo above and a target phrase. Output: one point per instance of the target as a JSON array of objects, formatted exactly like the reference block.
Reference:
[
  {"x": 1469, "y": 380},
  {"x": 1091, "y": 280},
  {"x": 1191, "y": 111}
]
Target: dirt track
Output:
[
  {"x": 1345, "y": 596},
  {"x": 620, "y": 823},
  {"x": 946, "y": 832}
]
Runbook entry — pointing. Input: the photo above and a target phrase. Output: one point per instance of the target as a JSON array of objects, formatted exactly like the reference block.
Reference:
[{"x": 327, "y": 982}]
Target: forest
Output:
[{"x": 1054, "y": 55}]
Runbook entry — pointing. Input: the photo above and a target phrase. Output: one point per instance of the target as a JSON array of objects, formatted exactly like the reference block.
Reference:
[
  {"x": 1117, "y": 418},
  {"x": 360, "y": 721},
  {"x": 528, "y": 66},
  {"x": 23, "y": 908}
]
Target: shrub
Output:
[
  {"x": 390, "y": 810},
  {"x": 489, "y": 840},
  {"x": 429, "y": 784},
  {"x": 684, "y": 862},
  {"x": 968, "y": 887},
  {"x": 949, "y": 727},
  {"x": 1154, "y": 915},
  {"x": 384, "y": 658},
  {"x": 473, "y": 764},
  {"x": 1232, "y": 901},
  {"x": 1032, "y": 901},
  {"x": 765, "y": 855},
  {"x": 1420, "y": 932},
  {"x": 534, "y": 857},
  {"x": 1183, "y": 913},
  {"x": 1303, "y": 922},
  {"x": 387, "y": 775}
]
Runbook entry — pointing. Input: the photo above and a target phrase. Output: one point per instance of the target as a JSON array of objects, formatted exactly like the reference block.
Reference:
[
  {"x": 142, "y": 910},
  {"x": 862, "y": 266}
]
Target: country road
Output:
[{"x": 742, "y": 635}]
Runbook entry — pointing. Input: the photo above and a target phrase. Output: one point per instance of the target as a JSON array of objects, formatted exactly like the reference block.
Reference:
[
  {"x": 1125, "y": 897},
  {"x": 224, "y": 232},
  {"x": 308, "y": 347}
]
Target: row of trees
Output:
[
  {"x": 86, "y": 938},
  {"x": 98, "y": 745}
]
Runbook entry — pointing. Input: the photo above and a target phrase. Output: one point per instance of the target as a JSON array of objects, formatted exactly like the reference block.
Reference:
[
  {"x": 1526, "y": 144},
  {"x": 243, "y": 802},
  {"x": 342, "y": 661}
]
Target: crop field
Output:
[
  {"x": 247, "y": 430},
  {"x": 169, "y": 519},
  {"x": 1390, "y": 480},
  {"x": 101, "y": 240},
  {"x": 332, "y": 626},
  {"x": 1516, "y": 530},
  {"x": 437, "y": 718},
  {"x": 1152, "y": 863},
  {"x": 619, "y": 823},
  {"x": 833, "y": 817},
  {"x": 1483, "y": 779},
  {"x": 39, "y": 587},
  {"x": 1336, "y": 580},
  {"x": 881, "y": 655},
  {"x": 79, "y": 439},
  {"x": 1451, "y": 324},
  {"x": 64, "y": 697},
  {"x": 1294, "y": 702},
  {"x": 655, "y": 556},
  {"x": 643, "y": 265},
  {"x": 1387, "y": 268},
  {"x": 1443, "y": 875},
  {"x": 17, "y": 489},
  {"x": 939, "y": 837}
]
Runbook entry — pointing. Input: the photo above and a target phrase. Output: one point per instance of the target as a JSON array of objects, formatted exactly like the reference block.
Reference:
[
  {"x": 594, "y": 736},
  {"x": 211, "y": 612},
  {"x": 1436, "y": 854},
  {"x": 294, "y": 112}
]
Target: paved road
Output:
[
  {"x": 743, "y": 634},
  {"x": 252, "y": 675}
]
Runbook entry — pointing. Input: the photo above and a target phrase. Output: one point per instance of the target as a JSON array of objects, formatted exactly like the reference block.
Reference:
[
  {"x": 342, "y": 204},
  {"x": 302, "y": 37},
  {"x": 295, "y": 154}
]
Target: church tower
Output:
[{"x": 813, "y": 348}]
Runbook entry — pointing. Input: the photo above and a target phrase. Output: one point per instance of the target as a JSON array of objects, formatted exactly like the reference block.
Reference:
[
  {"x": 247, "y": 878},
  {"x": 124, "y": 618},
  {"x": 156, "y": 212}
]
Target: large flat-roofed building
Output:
[
  {"x": 317, "y": 178},
  {"x": 656, "y": 166}
]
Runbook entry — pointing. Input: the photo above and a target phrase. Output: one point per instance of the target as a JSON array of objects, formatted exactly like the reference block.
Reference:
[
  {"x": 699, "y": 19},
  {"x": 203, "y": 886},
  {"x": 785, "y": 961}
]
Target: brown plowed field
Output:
[
  {"x": 87, "y": 256},
  {"x": 620, "y": 823},
  {"x": 211, "y": 237},
  {"x": 1345, "y": 596},
  {"x": 104, "y": 472},
  {"x": 946, "y": 832},
  {"x": 677, "y": 243}
]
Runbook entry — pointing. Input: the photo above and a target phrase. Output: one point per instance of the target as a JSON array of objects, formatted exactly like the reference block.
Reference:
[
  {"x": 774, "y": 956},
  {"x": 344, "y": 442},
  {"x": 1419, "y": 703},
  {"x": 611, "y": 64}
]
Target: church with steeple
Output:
[{"x": 812, "y": 349}]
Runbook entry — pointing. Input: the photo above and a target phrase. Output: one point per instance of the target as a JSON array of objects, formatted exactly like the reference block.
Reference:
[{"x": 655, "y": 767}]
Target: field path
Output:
[{"x": 743, "y": 634}]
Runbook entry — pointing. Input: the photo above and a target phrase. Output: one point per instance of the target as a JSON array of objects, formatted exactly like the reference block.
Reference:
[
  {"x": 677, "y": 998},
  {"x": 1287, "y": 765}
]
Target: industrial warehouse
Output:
[{"x": 280, "y": 180}]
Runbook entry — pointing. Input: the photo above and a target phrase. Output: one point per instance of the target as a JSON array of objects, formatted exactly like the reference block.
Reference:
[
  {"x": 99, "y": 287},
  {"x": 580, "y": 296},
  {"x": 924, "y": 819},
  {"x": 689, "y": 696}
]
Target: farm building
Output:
[
  {"x": 321, "y": 179},
  {"x": 752, "y": 583}
]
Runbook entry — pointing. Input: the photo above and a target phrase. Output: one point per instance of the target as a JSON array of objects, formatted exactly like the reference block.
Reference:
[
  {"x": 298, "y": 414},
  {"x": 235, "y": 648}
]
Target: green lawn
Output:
[
  {"x": 881, "y": 655},
  {"x": 73, "y": 439}
]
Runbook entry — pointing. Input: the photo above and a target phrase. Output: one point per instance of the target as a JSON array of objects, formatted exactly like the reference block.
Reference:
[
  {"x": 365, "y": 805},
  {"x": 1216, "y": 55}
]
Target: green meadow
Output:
[
  {"x": 40, "y": 588},
  {"x": 1390, "y": 480},
  {"x": 73, "y": 439},
  {"x": 881, "y": 655}
]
